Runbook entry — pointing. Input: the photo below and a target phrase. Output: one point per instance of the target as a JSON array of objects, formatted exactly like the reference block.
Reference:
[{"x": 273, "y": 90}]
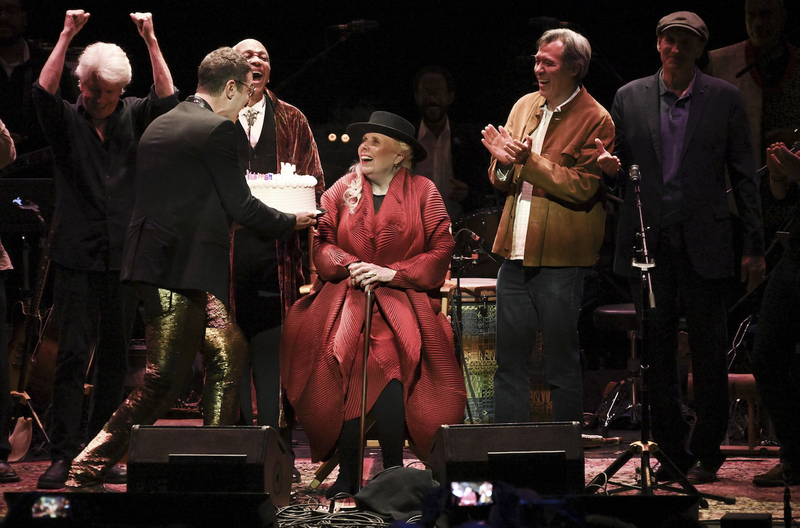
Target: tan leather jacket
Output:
[{"x": 567, "y": 217}]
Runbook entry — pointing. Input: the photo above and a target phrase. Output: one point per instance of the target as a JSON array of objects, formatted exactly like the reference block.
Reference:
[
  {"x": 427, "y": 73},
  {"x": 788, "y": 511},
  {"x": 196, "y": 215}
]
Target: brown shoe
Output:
[{"x": 774, "y": 478}]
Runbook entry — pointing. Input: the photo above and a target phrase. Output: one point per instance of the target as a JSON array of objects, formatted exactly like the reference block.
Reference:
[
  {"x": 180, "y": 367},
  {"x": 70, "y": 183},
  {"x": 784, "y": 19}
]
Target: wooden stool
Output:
[{"x": 740, "y": 387}]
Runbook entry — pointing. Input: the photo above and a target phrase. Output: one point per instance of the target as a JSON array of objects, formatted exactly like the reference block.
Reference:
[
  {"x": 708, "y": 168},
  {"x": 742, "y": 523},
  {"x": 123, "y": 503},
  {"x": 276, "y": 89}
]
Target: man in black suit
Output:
[
  {"x": 190, "y": 189},
  {"x": 683, "y": 129}
]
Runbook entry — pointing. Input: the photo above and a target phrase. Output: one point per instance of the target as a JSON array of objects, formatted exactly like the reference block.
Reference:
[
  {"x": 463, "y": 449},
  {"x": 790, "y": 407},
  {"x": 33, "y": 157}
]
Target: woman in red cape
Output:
[{"x": 389, "y": 229}]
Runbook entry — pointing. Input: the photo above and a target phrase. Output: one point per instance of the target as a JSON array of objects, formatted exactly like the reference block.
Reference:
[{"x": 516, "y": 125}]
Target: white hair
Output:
[
  {"x": 355, "y": 187},
  {"x": 107, "y": 61}
]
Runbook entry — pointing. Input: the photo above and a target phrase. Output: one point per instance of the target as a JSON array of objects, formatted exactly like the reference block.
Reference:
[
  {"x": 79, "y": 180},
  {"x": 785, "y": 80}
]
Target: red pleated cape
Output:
[{"x": 323, "y": 332}]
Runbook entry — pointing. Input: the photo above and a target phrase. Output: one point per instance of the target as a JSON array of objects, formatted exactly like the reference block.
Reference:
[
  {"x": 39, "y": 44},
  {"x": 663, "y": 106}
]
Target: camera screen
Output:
[
  {"x": 50, "y": 507},
  {"x": 471, "y": 493}
]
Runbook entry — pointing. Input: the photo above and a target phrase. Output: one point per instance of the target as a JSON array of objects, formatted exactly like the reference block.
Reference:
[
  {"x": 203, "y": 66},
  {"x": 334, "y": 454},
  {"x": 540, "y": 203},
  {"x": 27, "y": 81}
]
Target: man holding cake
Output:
[
  {"x": 190, "y": 188},
  {"x": 268, "y": 273}
]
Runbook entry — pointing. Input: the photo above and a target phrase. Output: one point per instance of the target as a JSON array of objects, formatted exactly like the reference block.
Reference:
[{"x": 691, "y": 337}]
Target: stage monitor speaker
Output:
[
  {"x": 154, "y": 510},
  {"x": 228, "y": 459},
  {"x": 545, "y": 457},
  {"x": 746, "y": 520},
  {"x": 652, "y": 511}
]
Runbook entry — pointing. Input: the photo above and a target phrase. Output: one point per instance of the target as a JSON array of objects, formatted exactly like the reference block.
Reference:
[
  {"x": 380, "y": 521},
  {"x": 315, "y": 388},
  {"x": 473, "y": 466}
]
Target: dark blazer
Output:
[
  {"x": 190, "y": 186},
  {"x": 717, "y": 137}
]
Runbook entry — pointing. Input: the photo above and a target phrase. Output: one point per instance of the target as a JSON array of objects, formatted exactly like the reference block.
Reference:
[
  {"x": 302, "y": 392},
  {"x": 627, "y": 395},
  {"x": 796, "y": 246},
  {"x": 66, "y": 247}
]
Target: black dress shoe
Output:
[
  {"x": 117, "y": 475},
  {"x": 56, "y": 475},
  {"x": 701, "y": 474},
  {"x": 7, "y": 474},
  {"x": 662, "y": 474},
  {"x": 296, "y": 476}
]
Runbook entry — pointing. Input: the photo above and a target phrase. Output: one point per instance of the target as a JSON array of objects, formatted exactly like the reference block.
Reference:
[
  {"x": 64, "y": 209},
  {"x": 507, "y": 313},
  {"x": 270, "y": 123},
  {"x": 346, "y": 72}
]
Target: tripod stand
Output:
[{"x": 644, "y": 448}]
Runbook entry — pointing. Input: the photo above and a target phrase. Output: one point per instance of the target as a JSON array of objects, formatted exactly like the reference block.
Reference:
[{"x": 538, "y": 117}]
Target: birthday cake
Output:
[{"x": 287, "y": 192}]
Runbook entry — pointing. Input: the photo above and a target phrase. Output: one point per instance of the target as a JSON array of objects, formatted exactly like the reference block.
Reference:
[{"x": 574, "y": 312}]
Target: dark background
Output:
[
  {"x": 336, "y": 81},
  {"x": 485, "y": 44}
]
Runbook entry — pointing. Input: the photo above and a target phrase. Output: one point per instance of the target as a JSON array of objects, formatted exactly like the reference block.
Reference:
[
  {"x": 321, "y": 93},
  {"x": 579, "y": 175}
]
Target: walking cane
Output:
[{"x": 362, "y": 433}]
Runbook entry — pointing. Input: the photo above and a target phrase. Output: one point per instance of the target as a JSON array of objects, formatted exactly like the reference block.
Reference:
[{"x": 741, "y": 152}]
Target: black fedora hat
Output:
[{"x": 391, "y": 125}]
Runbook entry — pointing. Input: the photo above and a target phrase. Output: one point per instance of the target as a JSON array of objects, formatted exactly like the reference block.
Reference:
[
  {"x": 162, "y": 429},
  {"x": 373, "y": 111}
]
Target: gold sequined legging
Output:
[{"x": 177, "y": 326}]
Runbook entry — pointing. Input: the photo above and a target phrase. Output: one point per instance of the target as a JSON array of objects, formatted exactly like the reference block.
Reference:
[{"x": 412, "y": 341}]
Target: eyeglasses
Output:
[{"x": 250, "y": 88}]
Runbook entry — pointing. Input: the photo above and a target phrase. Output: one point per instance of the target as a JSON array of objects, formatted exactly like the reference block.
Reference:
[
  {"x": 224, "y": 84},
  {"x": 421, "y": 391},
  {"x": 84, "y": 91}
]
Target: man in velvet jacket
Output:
[
  {"x": 268, "y": 273},
  {"x": 684, "y": 129}
]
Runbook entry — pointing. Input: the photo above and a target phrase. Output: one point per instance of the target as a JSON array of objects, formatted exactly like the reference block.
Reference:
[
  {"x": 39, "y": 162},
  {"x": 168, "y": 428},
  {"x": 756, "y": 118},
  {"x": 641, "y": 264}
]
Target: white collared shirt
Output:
[
  {"x": 254, "y": 132},
  {"x": 523, "y": 209},
  {"x": 438, "y": 166}
]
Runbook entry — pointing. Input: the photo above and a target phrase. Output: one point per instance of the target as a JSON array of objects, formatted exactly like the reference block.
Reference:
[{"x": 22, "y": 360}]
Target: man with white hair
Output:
[{"x": 94, "y": 142}]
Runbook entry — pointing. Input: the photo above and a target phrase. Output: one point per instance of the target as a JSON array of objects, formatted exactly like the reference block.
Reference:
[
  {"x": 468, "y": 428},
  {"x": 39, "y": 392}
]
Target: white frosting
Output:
[{"x": 286, "y": 192}]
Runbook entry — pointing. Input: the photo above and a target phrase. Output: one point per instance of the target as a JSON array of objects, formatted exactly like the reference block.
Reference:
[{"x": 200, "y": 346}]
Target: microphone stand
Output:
[
  {"x": 458, "y": 323},
  {"x": 644, "y": 448}
]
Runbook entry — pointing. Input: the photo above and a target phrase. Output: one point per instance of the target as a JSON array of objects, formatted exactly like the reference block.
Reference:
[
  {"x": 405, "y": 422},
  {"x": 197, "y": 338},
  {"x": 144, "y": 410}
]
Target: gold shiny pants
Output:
[{"x": 177, "y": 326}]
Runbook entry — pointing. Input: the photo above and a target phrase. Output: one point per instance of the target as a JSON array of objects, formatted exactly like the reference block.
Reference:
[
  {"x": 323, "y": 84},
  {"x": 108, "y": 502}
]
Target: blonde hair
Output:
[{"x": 355, "y": 187}]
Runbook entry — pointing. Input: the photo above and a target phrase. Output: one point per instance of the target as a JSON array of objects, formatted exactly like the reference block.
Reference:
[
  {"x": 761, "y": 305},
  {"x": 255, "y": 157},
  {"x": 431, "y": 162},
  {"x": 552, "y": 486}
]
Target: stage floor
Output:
[{"x": 734, "y": 478}]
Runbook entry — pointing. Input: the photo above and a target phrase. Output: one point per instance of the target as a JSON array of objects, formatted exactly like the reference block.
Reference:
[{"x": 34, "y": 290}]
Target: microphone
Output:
[
  {"x": 634, "y": 174},
  {"x": 473, "y": 236},
  {"x": 357, "y": 26},
  {"x": 477, "y": 239}
]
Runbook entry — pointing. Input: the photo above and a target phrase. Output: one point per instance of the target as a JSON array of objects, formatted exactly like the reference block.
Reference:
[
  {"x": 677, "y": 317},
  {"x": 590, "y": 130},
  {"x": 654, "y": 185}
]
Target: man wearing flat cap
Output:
[{"x": 683, "y": 129}]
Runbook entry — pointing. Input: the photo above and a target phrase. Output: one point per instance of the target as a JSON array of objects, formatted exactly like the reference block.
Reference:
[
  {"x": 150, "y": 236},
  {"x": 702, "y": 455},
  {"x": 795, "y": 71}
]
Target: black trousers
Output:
[
  {"x": 89, "y": 305},
  {"x": 775, "y": 360},
  {"x": 680, "y": 290}
]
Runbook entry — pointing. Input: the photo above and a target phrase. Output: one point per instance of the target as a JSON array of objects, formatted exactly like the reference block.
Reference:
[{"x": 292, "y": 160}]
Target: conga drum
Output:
[{"x": 478, "y": 313}]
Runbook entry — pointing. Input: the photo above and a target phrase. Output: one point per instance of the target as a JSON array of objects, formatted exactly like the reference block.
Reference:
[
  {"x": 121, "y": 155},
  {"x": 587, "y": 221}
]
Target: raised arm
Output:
[
  {"x": 162, "y": 78},
  {"x": 50, "y": 76}
]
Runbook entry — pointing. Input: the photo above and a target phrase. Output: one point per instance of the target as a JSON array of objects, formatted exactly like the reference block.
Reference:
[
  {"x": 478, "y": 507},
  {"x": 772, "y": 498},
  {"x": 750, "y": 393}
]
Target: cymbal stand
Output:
[{"x": 644, "y": 448}]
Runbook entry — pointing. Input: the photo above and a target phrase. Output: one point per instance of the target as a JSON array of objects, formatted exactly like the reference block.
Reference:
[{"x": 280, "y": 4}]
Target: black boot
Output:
[
  {"x": 390, "y": 419},
  {"x": 348, "y": 479}
]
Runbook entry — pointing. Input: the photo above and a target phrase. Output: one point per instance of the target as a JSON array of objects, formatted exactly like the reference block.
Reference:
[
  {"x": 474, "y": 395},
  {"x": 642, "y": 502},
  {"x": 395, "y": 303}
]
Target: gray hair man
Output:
[
  {"x": 552, "y": 226},
  {"x": 94, "y": 142}
]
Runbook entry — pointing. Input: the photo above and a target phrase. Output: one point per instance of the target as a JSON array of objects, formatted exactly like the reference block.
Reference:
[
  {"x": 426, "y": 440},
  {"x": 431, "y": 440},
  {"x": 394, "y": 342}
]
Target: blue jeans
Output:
[{"x": 531, "y": 299}]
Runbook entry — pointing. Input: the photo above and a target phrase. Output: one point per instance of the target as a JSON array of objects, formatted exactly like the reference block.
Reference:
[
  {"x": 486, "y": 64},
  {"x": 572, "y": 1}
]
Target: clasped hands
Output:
[
  {"x": 783, "y": 164},
  {"x": 363, "y": 274},
  {"x": 504, "y": 148}
]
